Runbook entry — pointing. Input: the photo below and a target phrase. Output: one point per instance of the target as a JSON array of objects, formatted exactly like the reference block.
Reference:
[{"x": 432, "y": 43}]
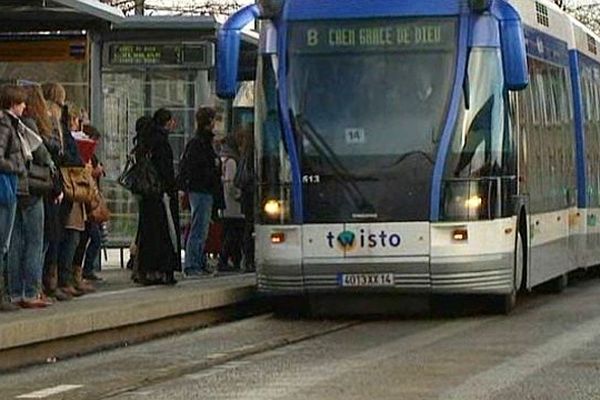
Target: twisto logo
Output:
[{"x": 348, "y": 240}]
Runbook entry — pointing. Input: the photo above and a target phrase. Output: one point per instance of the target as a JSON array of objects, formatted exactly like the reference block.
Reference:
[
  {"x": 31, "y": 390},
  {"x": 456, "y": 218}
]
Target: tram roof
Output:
[{"x": 56, "y": 15}]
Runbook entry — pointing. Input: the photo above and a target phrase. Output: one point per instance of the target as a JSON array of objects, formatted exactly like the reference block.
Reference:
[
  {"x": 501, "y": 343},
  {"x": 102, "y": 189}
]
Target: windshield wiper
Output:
[{"x": 341, "y": 173}]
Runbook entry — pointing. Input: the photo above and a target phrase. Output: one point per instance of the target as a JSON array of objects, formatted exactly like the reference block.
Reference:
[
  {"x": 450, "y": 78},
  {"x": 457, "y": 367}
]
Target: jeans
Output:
[
  {"x": 7, "y": 220},
  {"x": 201, "y": 204},
  {"x": 88, "y": 251},
  {"x": 68, "y": 246},
  {"x": 25, "y": 252},
  {"x": 92, "y": 254}
]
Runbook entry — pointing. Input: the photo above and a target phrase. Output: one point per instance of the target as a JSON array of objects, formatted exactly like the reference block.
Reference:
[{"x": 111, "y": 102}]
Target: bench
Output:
[{"x": 116, "y": 243}]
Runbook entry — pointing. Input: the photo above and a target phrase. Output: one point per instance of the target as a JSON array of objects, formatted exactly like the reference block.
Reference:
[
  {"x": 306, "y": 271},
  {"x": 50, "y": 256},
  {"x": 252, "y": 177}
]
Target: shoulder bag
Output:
[
  {"x": 77, "y": 184},
  {"x": 98, "y": 210},
  {"x": 140, "y": 176},
  {"x": 8, "y": 188},
  {"x": 40, "y": 180},
  {"x": 8, "y": 184}
]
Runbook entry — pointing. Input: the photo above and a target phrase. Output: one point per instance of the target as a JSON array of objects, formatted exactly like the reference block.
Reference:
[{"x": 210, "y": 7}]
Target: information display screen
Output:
[
  {"x": 144, "y": 54},
  {"x": 373, "y": 35}
]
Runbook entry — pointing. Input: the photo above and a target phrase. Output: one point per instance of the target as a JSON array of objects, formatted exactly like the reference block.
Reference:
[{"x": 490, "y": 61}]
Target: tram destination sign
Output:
[
  {"x": 161, "y": 54},
  {"x": 373, "y": 35}
]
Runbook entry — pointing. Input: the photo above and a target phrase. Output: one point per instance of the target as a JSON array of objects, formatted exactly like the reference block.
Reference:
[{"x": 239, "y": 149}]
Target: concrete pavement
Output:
[{"x": 118, "y": 314}]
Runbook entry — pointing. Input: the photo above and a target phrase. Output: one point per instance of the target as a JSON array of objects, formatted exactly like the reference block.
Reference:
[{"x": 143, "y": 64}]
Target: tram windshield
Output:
[{"x": 368, "y": 100}]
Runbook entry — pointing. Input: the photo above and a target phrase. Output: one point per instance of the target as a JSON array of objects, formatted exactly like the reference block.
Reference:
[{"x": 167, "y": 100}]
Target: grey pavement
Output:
[
  {"x": 120, "y": 303},
  {"x": 548, "y": 349}
]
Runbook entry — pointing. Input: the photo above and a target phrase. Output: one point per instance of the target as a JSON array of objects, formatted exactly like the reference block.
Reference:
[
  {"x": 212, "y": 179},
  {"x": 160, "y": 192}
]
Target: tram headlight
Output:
[
  {"x": 473, "y": 203},
  {"x": 273, "y": 208}
]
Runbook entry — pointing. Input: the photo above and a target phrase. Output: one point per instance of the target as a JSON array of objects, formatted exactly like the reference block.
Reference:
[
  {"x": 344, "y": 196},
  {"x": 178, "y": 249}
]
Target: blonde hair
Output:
[
  {"x": 55, "y": 93},
  {"x": 73, "y": 110},
  {"x": 38, "y": 110}
]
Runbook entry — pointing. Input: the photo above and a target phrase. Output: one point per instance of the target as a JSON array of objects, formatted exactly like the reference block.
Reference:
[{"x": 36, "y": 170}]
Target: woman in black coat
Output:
[{"x": 159, "y": 253}]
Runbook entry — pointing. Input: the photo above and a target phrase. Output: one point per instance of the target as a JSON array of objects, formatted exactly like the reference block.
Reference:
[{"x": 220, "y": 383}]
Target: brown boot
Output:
[
  {"x": 61, "y": 296},
  {"x": 81, "y": 284},
  {"x": 71, "y": 291}
]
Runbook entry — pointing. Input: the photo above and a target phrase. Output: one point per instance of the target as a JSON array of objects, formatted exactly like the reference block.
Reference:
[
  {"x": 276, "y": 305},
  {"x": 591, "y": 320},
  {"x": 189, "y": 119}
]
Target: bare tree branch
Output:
[{"x": 196, "y": 7}]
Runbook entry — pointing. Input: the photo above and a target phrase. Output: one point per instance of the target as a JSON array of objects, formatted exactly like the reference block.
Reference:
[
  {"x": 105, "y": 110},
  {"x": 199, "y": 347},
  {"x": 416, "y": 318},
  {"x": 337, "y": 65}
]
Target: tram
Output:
[{"x": 433, "y": 146}]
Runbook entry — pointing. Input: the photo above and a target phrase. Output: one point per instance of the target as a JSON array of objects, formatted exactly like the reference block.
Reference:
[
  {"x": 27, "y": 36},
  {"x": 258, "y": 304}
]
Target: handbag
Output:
[
  {"x": 39, "y": 178},
  {"x": 140, "y": 176},
  {"x": 98, "y": 210},
  {"x": 8, "y": 189},
  {"x": 77, "y": 184}
]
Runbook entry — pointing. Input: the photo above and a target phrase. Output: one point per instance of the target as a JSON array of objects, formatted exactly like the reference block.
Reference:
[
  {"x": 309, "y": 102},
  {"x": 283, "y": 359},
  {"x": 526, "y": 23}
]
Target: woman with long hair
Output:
[
  {"x": 70, "y": 216},
  {"x": 158, "y": 250},
  {"x": 26, "y": 247}
]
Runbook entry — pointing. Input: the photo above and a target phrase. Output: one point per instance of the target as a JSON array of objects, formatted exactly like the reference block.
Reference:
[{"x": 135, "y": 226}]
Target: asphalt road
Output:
[{"x": 549, "y": 348}]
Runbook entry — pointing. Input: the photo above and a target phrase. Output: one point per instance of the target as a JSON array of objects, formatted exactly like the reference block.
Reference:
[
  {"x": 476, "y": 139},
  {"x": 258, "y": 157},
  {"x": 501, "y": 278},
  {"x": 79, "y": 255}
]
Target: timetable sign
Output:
[{"x": 163, "y": 54}]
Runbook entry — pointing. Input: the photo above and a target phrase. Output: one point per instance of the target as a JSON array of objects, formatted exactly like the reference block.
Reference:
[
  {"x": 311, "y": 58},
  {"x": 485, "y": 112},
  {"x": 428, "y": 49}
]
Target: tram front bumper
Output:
[
  {"x": 489, "y": 274},
  {"x": 483, "y": 264}
]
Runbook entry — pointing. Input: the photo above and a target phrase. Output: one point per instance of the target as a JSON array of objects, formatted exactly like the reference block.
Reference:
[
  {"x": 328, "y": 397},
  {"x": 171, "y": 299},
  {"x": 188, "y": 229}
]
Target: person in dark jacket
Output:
[
  {"x": 52, "y": 134},
  {"x": 247, "y": 186},
  {"x": 12, "y": 162},
  {"x": 200, "y": 178},
  {"x": 26, "y": 245},
  {"x": 158, "y": 249}
]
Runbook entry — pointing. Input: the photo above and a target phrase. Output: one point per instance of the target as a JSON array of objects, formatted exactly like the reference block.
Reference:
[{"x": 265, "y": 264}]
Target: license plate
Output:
[{"x": 366, "y": 280}]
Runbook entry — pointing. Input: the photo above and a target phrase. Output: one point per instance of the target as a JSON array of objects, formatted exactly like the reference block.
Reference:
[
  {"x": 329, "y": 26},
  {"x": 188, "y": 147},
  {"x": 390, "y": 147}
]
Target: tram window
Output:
[
  {"x": 549, "y": 169},
  {"x": 532, "y": 100}
]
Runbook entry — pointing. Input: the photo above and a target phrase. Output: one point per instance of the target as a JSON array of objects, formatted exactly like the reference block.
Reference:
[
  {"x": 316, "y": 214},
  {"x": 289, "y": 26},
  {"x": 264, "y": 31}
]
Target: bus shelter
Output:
[
  {"x": 120, "y": 68},
  {"x": 49, "y": 40},
  {"x": 152, "y": 62}
]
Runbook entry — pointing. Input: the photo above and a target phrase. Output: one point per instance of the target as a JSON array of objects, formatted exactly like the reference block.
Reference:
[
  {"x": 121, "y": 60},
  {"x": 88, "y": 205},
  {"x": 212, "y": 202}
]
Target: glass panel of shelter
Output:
[{"x": 132, "y": 94}]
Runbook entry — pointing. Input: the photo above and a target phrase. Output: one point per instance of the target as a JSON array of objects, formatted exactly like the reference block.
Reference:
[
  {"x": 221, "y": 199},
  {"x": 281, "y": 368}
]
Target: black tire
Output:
[{"x": 505, "y": 303}]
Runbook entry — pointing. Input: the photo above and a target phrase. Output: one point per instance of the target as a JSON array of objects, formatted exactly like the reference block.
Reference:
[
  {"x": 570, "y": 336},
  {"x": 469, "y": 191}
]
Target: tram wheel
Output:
[{"x": 505, "y": 303}]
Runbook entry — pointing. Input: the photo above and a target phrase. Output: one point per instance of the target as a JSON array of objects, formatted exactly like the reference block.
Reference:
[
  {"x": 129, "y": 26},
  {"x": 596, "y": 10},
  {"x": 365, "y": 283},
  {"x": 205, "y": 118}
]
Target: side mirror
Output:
[
  {"x": 228, "y": 50},
  {"x": 512, "y": 42}
]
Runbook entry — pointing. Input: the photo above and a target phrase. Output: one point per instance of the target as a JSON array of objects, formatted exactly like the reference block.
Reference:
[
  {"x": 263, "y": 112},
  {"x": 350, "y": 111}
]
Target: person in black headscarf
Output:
[{"x": 158, "y": 249}]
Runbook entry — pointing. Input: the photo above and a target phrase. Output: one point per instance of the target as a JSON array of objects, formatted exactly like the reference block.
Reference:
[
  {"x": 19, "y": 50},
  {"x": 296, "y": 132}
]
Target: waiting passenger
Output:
[
  {"x": 26, "y": 247},
  {"x": 233, "y": 218},
  {"x": 12, "y": 166},
  {"x": 200, "y": 178},
  {"x": 158, "y": 250}
]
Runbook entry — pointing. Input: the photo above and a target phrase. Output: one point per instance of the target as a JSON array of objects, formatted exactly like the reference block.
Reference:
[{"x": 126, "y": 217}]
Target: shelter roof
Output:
[{"x": 56, "y": 15}]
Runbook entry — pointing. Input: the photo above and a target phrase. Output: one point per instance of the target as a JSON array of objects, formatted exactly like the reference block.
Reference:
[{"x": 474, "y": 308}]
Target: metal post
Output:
[
  {"x": 95, "y": 74},
  {"x": 139, "y": 7}
]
